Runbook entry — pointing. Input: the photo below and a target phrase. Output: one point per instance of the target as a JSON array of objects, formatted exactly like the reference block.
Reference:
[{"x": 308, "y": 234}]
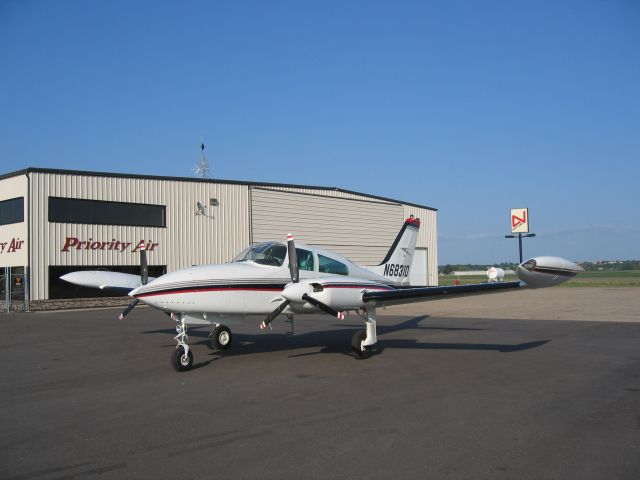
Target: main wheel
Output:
[
  {"x": 220, "y": 338},
  {"x": 181, "y": 362},
  {"x": 356, "y": 345}
]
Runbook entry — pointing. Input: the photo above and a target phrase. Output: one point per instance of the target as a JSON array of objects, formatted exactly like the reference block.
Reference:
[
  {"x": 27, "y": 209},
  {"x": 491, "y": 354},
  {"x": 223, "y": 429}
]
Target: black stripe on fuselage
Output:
[
  {"x": 275, "y": 287},
  {"x": 407, "y": 223}
]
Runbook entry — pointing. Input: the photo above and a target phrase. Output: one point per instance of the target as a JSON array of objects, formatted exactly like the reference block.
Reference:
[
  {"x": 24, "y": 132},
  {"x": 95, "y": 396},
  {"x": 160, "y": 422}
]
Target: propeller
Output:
[
  {"x": 323, "y": 306},
  {"x": 294, "y": 270},
  {"x": 144, "y": 278}
]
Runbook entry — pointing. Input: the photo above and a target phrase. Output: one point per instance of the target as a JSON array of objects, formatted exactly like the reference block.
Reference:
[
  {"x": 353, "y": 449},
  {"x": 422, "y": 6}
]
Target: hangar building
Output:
[{"x": 56, "y": 221}]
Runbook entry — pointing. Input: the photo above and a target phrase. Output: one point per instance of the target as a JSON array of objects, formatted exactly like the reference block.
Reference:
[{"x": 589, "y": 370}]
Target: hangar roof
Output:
[{"x": 56, "y": 171}]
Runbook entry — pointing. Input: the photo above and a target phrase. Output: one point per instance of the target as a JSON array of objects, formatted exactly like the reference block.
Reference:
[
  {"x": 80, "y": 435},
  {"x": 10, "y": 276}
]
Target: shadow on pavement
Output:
[{"x": 336, "y": 341}]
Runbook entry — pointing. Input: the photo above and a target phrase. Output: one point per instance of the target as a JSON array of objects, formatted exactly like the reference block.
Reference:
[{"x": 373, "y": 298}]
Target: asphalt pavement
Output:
[{"x": 87, "y": 396}]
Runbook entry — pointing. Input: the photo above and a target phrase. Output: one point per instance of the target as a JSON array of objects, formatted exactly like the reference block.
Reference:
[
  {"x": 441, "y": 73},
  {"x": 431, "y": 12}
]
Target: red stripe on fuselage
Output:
[{"x": 211, "y": 289}]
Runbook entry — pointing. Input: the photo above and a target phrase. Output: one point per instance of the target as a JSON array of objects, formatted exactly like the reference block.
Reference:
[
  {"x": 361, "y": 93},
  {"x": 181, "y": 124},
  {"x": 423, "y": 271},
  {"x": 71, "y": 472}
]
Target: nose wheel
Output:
[
  {"x": 181, "y": 358},
  {"x": 181, "y": 361}
]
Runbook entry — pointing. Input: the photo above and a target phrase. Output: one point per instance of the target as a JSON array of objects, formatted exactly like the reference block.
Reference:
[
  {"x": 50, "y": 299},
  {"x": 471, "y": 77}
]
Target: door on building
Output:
[{"x": 418, "y": 272}]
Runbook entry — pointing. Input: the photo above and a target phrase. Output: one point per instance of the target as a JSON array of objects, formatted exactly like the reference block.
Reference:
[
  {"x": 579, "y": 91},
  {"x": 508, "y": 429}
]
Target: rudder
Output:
[{"x": 396, "y": 265}]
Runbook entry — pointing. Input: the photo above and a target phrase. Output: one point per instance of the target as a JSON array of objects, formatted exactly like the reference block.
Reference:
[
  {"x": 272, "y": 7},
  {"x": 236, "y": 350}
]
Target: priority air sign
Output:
[{"x": 519, "y": 220}]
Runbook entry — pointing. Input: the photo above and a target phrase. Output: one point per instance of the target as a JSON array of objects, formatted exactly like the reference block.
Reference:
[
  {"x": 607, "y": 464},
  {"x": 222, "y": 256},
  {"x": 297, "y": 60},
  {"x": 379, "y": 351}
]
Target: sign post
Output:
[{"x": 520, "y": 226}]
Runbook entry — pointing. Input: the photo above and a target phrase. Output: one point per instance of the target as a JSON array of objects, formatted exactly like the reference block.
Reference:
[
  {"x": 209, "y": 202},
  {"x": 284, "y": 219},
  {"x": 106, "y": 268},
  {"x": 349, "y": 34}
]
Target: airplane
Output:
[{"x": 273, "y": 278}]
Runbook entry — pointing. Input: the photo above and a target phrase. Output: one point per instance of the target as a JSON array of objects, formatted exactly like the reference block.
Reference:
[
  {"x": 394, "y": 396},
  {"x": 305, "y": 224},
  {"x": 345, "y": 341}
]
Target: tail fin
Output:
[{"x": 397, "y": 263}]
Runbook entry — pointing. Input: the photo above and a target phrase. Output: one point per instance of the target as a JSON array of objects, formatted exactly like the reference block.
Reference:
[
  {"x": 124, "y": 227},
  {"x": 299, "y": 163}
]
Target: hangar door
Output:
[
  {"x": 418, "y": 272},
  {"x": 361, "y": 230}
]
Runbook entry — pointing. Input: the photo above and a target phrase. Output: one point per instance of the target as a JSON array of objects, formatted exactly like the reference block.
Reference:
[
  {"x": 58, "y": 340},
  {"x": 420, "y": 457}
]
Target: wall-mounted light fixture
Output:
[{"x": 213, "y": 202}]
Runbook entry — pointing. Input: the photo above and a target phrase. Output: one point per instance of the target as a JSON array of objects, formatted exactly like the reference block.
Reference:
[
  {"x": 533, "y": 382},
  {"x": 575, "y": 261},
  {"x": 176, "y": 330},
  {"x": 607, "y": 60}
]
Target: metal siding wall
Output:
[
  {"x": 12, "y": 188},
  {"x": 327, "y": 193},
  {"x": 361, "y": 231},
  {"x": 187, "y": 239}
]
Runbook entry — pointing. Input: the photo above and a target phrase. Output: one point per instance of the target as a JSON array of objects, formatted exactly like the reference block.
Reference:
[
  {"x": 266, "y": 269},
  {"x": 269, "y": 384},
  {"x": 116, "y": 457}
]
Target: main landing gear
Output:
[
  {"x": 363, "y": 341},
  {"x": 220, "y": 337},
  {"x": 182, "y": 357}
]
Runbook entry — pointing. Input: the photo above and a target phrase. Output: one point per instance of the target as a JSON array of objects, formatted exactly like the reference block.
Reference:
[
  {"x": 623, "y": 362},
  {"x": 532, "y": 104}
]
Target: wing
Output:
[
  {"x": 410, "y": 295},
  {"x": 124, "y": 282},
  {"x": 539, "y": 272}
]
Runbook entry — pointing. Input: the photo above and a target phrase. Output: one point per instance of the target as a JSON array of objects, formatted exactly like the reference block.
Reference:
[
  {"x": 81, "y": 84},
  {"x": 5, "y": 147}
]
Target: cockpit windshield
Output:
[{"x": 269, "y": 253}]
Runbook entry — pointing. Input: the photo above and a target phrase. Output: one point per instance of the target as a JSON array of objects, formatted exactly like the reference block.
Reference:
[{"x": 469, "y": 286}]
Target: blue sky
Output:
[{"x": 470, "y": 107}]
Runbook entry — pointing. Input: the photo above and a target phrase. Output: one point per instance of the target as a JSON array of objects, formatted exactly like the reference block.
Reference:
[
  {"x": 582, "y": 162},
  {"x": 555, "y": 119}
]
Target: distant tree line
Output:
[
  {"x": 611, "y": 266},
  {"x": 447, "y": 269},
  {"x": 604, "y": 265}
]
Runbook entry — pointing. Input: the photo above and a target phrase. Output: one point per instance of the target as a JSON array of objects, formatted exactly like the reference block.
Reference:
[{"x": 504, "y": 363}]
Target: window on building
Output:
[
  {"x": 60, "y": 289},
  {"x": 329, "y": 265},
  {"x": 99, "y": 212},
  {"x": 12, "y": 211}
]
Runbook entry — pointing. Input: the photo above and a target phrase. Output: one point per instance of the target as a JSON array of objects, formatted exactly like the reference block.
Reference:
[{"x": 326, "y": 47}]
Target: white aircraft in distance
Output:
[{"x": 273, "y": 277}]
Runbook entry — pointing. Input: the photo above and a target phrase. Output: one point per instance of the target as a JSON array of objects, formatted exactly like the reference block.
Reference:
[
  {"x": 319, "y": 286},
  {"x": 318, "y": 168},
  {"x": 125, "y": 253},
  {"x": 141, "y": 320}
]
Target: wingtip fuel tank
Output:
[{"x": 540, "y": 272}]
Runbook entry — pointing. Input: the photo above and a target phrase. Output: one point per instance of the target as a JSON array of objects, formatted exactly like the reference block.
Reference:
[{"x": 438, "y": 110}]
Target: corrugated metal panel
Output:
[
  {"x": 15, "y": 232},
  {"x": 188, "y": 239},
  {"x": 362, "y": 231},
  {"x": 328, "y": 193}
]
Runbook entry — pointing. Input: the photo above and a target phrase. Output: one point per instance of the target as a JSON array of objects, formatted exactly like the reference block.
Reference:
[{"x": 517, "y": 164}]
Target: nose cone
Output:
[{"x": 294, "y": 291}]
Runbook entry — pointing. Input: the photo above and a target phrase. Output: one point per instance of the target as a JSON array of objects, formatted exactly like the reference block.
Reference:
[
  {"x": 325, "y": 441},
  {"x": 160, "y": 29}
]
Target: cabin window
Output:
[
  {"x": 305, "y": 260},
  {"x": 269, "y": 253},
  {"x": 329, "y": 265}
]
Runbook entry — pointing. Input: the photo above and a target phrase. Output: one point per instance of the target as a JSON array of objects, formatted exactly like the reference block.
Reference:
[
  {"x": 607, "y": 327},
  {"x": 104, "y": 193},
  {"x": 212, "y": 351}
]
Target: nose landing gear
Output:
[{"x": 182, "y": 358}]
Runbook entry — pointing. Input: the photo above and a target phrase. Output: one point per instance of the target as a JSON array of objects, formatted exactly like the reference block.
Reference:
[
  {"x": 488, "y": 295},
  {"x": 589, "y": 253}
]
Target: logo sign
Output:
[
  {"x": 74, "y": 243},
  {"x": 519, "y": 220},
  {"x": 11, "y": 247}
]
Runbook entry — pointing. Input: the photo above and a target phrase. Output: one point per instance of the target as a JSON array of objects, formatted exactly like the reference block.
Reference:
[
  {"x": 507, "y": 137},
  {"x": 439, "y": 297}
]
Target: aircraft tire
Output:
[
  {"x": 181, "y": 362},
  {"x": 221, "y": 338},
  {"x": 356, "y": 341}
]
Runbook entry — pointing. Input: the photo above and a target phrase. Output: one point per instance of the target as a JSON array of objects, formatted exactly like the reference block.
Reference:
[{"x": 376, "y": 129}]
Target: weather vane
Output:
[{"x": 202, "y": 169}]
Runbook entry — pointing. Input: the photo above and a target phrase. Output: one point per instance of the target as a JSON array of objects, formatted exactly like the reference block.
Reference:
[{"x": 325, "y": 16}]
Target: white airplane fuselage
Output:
[{"x": 247, "y": 287}]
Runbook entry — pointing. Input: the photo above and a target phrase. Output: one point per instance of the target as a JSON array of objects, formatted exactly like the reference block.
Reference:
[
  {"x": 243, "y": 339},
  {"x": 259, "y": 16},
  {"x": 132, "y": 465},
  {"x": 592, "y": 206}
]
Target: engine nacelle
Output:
[
  {"x": 341, "y": 297},
  {"x": 540, "y": 272},
  {"x": 341, "y": 294}
]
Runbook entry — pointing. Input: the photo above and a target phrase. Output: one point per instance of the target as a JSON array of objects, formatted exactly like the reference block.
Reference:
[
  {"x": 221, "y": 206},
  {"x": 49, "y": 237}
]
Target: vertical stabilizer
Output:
[{"x": 397, "y": 263}]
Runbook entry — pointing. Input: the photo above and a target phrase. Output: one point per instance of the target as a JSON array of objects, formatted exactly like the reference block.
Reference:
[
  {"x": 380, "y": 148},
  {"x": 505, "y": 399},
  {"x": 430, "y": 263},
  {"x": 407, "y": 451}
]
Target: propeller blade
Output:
[
  {"x": 293, "y": 259},
  {"x": 144, "y": 267},
  {"x": 265, "y": 323},
  {"x": 126, "y": 311},
  {"x": 323, "y": 307}
]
